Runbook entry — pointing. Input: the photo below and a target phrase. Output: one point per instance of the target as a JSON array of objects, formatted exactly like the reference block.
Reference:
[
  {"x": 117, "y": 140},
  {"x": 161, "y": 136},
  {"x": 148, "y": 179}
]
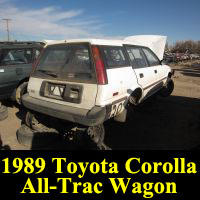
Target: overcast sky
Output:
[{"x": 63, "y": 19}]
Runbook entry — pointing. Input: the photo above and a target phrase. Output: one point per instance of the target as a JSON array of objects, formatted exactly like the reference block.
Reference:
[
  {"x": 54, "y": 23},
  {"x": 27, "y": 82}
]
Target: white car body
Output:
[{"x": 99, "y": 102}]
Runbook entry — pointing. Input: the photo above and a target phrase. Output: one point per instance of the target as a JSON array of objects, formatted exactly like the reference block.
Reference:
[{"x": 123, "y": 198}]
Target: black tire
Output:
[
  {"x": 34, "y": 139},
  {"x": 33, "y": 121},
  {"x": 132, "y": 100},
  {"x": 3, "y": 147},
  {"x": 167, "y": 90},
  {"x": 3, "y": 112},
  {"x": 20, "y": 91},
  {"x": 28, "y": 119}
]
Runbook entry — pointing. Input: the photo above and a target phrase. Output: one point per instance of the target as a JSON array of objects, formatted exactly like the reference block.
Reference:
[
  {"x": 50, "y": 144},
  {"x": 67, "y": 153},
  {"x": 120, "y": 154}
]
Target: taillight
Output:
[{"x": 100, "y": 69}]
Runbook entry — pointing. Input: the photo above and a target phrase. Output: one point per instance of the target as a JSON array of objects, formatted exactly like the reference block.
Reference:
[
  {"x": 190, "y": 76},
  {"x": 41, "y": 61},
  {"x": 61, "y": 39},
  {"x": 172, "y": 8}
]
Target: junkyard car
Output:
[
  {"x": 89, "y": 81},
  {"x": 16, "y": 59}
]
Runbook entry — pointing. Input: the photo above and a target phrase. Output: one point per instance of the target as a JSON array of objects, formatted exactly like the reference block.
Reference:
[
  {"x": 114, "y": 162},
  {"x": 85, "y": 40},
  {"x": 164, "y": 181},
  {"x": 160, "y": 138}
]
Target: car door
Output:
[
  {"x": 144, "y": 72},
  {"x": 159, "y": 72},
  {"x": 8, "y": 77}
]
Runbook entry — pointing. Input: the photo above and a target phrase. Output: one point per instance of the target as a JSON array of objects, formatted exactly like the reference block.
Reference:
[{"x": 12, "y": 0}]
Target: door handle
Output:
[
  {"x": 141, "y": 75},
  {"x": 155, "y": 71}
]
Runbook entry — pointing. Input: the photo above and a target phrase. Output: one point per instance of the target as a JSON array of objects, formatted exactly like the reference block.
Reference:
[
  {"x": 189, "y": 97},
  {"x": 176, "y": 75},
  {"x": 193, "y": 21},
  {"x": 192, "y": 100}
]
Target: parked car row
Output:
[
  {"x": 87, "y": 81},
  {"x": 177, "y": 57}
]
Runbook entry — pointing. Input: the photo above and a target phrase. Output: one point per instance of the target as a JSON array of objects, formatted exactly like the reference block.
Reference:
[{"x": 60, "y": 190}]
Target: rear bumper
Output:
[{"x": 95, "y": 116}]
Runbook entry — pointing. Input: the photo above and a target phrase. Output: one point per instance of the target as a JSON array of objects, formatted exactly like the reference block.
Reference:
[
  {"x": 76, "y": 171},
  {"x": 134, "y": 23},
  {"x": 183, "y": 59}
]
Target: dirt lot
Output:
[{"x": 159, "y": 123}]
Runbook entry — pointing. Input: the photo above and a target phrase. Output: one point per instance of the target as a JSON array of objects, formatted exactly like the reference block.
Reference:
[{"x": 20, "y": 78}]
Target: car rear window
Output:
[
  {"x": 114, "y": 56},
  {"x": 67, "y": 61}
]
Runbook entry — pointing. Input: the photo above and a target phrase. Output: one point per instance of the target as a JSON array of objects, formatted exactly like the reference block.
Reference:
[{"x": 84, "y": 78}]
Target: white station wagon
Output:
[{"x": 88, "y": 81}]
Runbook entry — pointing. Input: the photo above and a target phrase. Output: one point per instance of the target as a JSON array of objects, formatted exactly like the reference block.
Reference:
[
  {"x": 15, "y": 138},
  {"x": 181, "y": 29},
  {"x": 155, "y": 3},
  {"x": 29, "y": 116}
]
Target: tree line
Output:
[{"x": 188, "y": 46}]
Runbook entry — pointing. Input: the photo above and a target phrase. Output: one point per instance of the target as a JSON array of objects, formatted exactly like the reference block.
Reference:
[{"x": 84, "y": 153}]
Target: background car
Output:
[{"x": 16, "y": 59}]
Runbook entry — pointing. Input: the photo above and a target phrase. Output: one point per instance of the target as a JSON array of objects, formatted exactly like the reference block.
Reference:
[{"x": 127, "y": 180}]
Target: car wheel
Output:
[
  {"x": 34, "y": 139},
  {"x": 3, "y": 112},
  {"x": 28, "y": 117},
  {"x": 132, "y": 100},
  {"x": 167, "y": 89},
  {"x": 20, "y": 91},
  {"x": 33, "y": 122}
]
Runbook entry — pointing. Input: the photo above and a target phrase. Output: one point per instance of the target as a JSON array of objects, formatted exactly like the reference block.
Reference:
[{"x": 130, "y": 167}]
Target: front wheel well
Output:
[
  {"x": 137, "y": 94},
  {"x": 13, "y": 96},
  {"x": 22, "y": 81},
  {"x": 170, "y": 74}
]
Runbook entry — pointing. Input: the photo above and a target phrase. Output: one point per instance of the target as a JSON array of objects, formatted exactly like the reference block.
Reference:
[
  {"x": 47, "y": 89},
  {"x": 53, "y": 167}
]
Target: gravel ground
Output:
[{"x": 159, "y": 123}]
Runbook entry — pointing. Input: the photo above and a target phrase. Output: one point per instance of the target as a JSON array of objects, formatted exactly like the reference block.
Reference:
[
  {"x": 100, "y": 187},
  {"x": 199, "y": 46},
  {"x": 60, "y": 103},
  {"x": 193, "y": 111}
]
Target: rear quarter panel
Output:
[{"x": 121, "y": 80}]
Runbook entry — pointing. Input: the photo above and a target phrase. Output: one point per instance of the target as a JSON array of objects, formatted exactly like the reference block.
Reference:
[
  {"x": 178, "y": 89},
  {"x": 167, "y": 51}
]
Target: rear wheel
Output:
[
  {"x": 132, "y": 100},
  {"x": 33, "y": 122},
  {"x": 31, "y": 138},
  {"x": 167, "y": 89},
  {"x": 3, "y": 112},
  {"x": 25, "y": 135},
  {"x": 20, "y": 91}
]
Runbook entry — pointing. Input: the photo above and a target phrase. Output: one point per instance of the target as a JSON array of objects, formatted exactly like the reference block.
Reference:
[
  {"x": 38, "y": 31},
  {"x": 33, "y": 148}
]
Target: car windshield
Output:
[{"x": 66, "y": 61}]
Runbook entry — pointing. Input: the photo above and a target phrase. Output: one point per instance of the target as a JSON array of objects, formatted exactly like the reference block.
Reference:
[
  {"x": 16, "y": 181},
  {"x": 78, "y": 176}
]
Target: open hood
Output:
[{"x": 155, "y": 42}]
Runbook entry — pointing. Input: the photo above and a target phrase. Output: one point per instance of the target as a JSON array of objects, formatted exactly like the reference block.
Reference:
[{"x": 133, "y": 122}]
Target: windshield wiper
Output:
[{"x": 48, "y": 73}]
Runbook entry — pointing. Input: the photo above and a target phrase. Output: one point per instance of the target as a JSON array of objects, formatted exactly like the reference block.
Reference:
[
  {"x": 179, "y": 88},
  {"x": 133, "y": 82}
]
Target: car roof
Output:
[
  {"x": 154, "y": 42},
  {"x": 91, "y": 41},
  {"x": 107, "y": 42},
  {"x": 23, "y": 44}
]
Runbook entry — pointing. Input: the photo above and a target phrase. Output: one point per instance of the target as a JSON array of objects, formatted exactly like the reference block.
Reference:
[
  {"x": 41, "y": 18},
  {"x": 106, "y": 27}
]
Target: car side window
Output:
[
  {"x": 16, "y": 56},
  {"x": 114, "y": 57},
  {"x": 137, "y": 57},
  {"x": 151, "y": 57}
]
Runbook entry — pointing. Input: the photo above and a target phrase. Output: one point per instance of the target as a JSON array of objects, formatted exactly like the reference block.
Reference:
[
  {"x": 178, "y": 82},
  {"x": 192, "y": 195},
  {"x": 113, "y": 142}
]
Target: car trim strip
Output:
[{"x": 154, "y": 83}]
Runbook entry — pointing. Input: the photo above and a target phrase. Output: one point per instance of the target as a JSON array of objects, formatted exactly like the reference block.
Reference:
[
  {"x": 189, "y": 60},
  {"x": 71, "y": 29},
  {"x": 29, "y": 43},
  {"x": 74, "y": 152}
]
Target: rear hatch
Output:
[{"x": 65, "y": 74}]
